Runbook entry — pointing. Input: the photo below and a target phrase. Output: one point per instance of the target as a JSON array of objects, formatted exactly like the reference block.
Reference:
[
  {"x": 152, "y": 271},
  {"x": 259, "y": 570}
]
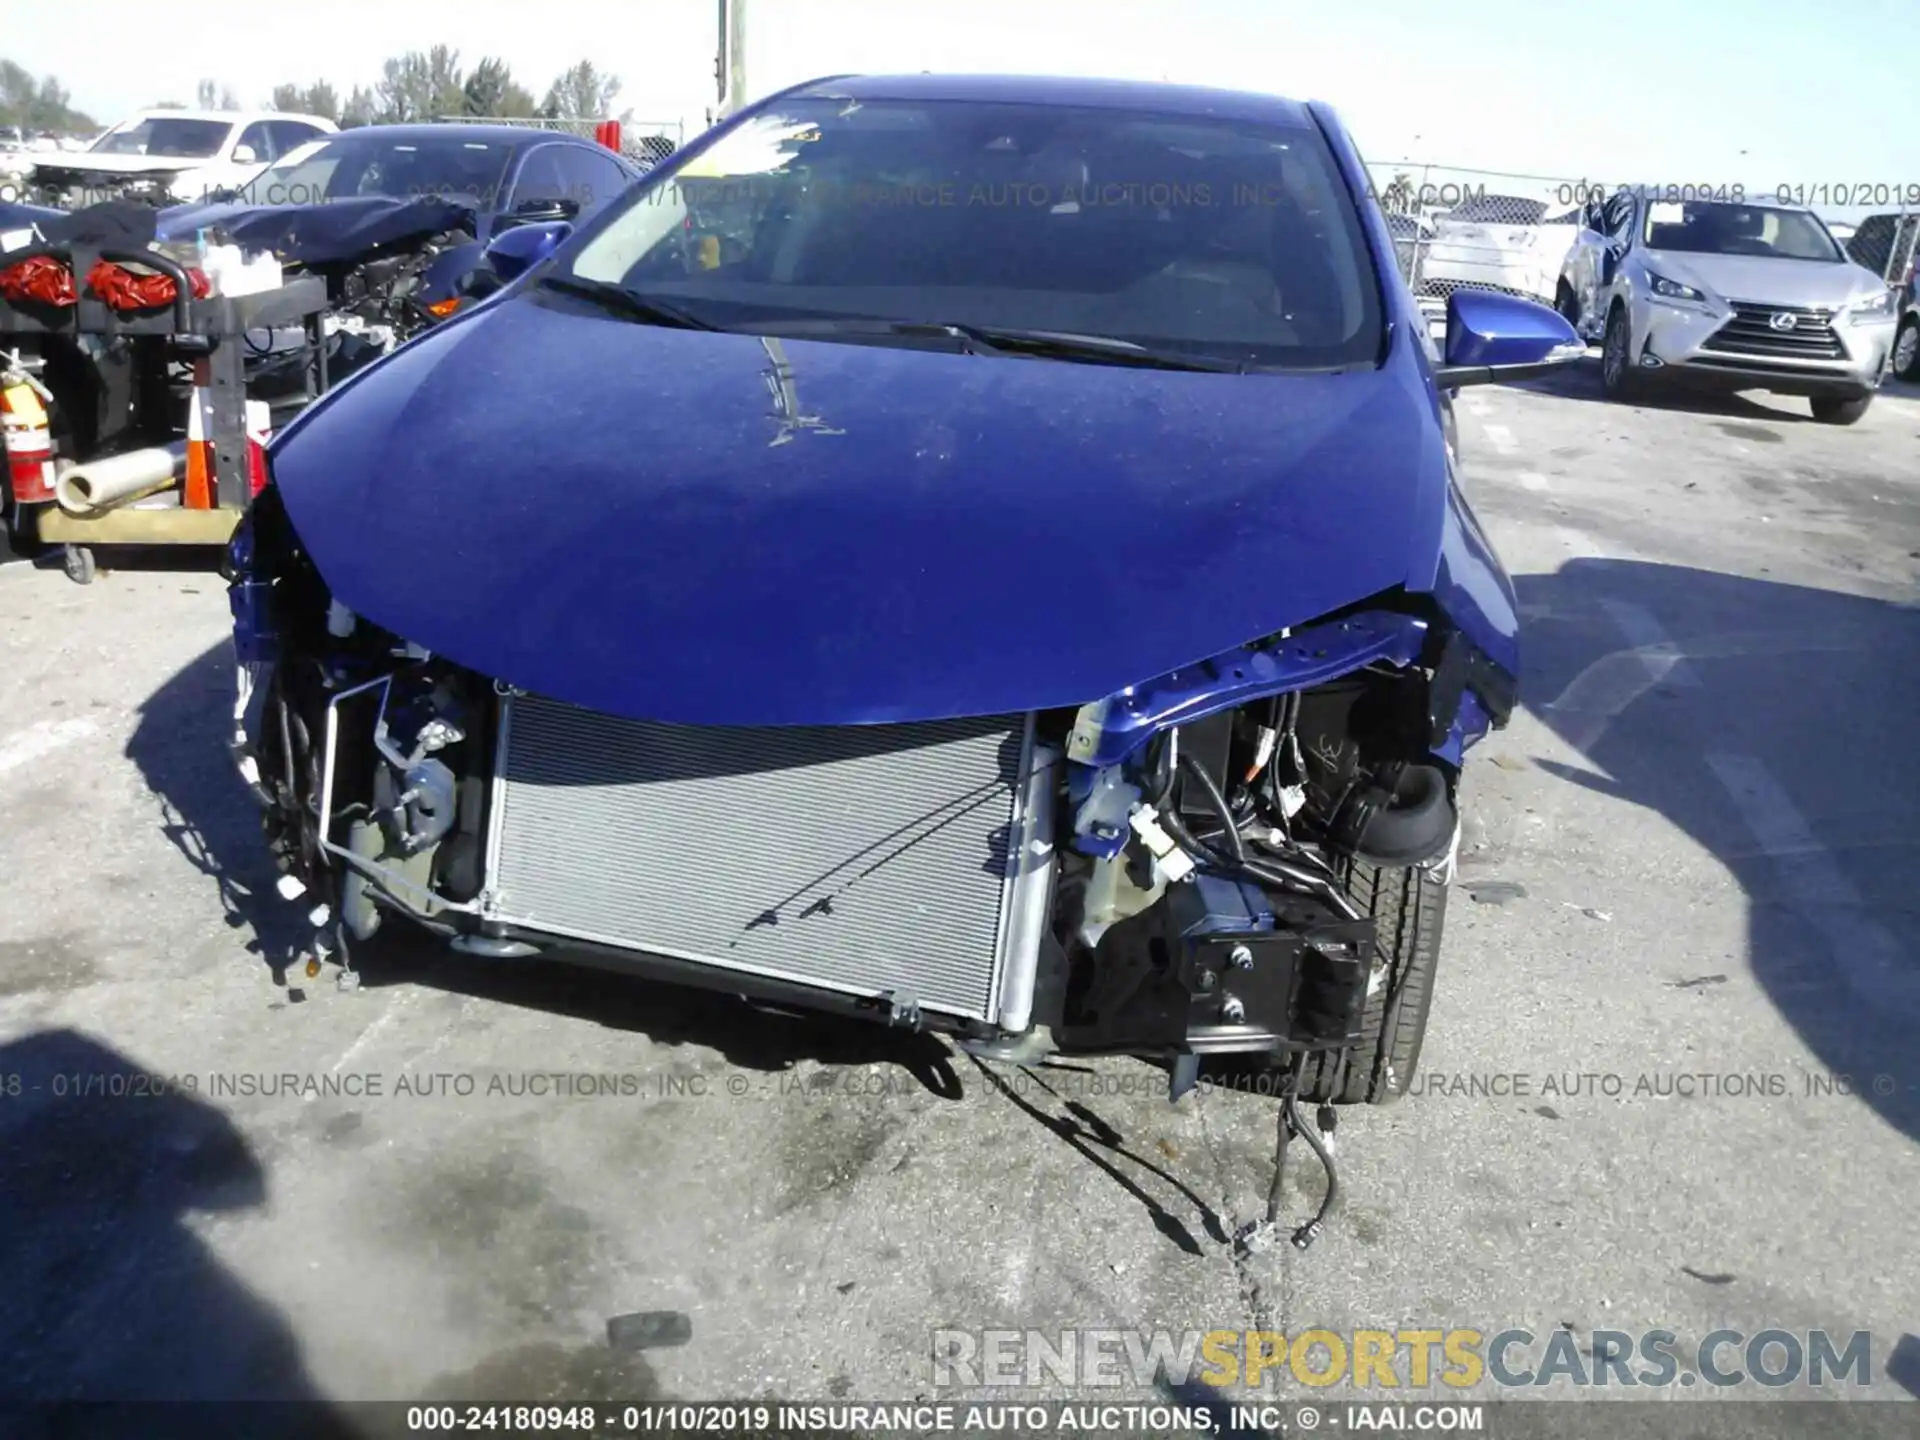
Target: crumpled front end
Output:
[
  {"x": 1159, "y": 871},
  {"x": 72, "y": 187},
  {"x": 391, "y": 267}
]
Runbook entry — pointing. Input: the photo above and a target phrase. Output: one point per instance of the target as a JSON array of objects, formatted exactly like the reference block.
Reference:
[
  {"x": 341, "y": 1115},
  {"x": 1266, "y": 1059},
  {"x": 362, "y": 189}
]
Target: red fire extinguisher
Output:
[{"x": 28, "y": 435}]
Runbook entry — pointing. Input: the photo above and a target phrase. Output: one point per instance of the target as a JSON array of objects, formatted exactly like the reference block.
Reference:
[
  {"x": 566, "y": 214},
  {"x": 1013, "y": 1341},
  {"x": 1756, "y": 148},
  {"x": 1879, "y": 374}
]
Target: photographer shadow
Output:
[{"x": 109, "y": 1302}]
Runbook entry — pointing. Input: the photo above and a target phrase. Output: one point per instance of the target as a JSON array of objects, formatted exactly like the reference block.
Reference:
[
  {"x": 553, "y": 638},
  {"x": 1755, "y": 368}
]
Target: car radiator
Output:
[{"x": 905, "y": 861}]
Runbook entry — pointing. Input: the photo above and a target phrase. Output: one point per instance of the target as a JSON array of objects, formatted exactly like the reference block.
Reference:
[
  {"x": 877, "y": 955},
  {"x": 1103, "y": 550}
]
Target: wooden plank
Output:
[{"x": 170, "y": 526}]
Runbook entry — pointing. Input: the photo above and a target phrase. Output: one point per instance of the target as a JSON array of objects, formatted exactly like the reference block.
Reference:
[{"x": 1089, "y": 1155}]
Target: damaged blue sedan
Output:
[{"x": 982, "y": 554}]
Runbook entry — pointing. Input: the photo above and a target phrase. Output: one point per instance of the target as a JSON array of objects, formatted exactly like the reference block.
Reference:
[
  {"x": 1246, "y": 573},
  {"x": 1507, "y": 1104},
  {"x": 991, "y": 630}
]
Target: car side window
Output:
[
  {"x": 259, "y": 135},
  {"x": 288, "y": 135},
  {"x": 541, "y": 180},
  {"x": 596, "y": 177},
  {"x": 592, "y": 178},
  {"x": 1618, "y": 218}
]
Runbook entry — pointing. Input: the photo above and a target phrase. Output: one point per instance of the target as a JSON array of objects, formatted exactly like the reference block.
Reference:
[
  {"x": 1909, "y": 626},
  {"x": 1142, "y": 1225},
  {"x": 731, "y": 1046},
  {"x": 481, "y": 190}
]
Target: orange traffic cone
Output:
[{"x": 201, "y": 484}]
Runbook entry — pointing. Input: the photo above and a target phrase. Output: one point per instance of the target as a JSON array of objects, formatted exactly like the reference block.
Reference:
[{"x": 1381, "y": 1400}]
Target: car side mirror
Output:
[
  {"x": 245, "y": 155},
  {"x": 1493, "y": 337},
  {"x": 518, "y": 250}
]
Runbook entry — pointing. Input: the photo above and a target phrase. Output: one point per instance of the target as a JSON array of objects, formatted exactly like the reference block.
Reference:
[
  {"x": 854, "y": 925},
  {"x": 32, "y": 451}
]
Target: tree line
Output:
[
  {"x": 419, "y": 85},
  {"x": 428, "y": 84},
  {"x": 36, "y": 104}
]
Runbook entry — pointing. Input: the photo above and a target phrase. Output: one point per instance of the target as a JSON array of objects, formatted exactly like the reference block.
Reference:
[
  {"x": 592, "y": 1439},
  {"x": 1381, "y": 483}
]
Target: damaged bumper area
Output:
[
  {"x": 72, "y": 187},
  {"x": 1159, "y": 873},
  {"x": 391, "y": 267}
]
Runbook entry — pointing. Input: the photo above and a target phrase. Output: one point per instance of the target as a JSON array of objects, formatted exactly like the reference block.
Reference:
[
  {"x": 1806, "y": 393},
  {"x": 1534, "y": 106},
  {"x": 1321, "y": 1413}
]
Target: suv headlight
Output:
[
  {"x": 1874, "y": 307},
  {"x": 1664, "y": 289}
]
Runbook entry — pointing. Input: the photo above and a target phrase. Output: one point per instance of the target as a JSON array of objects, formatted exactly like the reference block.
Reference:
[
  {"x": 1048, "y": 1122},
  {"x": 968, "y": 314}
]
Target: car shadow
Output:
[
  {"x": 748, "y": 1036},
  {"x": 1580, "y": 380},
  {"x": 179, "y": 744},
  {"x": 1776, "y": 731},
  {"x": 107, "y": 1298},
  {"x": 1097, "y": 1142}
]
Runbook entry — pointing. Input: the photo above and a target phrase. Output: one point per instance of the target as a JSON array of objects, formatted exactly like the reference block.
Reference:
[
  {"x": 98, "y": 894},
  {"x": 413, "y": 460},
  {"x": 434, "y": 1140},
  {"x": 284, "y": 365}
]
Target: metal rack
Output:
[{"x": 211, "y": 333}]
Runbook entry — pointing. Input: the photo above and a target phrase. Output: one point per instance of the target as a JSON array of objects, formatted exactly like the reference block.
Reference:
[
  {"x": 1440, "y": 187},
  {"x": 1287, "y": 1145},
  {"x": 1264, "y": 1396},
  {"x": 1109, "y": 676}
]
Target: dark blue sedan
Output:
[
  {"x": 417, "y": 202},
  {"x": 982, "y": 554}
]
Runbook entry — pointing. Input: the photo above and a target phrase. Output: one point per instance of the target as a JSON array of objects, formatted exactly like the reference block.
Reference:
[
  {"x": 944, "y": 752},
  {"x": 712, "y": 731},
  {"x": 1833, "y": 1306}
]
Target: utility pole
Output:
[{"x": 730, "y": 64}]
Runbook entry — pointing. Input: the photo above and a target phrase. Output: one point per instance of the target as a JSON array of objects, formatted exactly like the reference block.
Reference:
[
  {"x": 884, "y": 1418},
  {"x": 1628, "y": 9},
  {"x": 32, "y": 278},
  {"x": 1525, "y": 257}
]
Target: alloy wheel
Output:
[{"x": 1905, "y": 348}]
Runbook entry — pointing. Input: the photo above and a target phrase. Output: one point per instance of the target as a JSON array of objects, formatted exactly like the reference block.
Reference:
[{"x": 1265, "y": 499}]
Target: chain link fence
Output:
[
  {"x": 1886, "y": 245},
  {"x": 1457, "y": 228}
]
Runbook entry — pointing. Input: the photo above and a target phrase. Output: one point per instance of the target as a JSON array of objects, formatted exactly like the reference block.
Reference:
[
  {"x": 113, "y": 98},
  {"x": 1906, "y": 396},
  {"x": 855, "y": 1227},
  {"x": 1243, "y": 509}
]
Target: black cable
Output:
[
  {"x": 1196, "y": 772},
  {"x": 1163, "y": 770},
  {"x": 1284, "y": 875},
  {"x": 1309, "y": 1232},
  {"x": 1280, "y": 874}
]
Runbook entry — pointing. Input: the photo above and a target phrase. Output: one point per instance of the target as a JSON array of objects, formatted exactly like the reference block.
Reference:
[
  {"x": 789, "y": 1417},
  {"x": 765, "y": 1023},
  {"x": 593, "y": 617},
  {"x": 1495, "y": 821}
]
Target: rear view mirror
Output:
[
  {"x": 244, "y": 155},
  {"x": 515, "y": 251},
  {"x": 1493, "y": 337}
]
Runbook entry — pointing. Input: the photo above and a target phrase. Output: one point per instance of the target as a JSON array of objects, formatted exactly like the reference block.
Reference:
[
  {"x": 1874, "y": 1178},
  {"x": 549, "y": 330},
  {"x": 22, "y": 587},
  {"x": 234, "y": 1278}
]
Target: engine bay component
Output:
[{"x": 870, "y": 860}]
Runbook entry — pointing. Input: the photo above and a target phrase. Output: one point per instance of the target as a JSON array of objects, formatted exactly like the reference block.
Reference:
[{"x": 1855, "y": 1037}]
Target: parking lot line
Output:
[
  {"x": 1651, "y": 643},
  {"x": 40, "y": 740},
  {"x": 1868, "y": 959},
  {"x": 1599, "y": 695},
  {"x": 1532, "y": 480},
  {"x": 1500, "y": 438}
]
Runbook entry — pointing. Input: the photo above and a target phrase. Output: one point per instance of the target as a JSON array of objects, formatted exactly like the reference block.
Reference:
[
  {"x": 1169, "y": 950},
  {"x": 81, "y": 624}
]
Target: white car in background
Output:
[
  {"x": 1512, "y": 243},
  {"x": 170, "y": 156}
]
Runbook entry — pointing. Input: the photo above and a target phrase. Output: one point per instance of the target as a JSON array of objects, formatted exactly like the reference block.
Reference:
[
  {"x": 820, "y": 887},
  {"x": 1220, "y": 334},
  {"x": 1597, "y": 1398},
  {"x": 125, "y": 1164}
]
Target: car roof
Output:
[
  {"x": 1195, "y": 101},
  {"x": 1679, "y": 195},
  {"x": 225, "y": 117},
  {"x": 473, "y": 134}
]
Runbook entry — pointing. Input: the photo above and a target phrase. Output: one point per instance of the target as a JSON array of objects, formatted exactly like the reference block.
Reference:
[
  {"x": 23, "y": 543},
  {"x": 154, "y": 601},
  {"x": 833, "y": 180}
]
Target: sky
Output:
[{"x": 1709, "y": 92}]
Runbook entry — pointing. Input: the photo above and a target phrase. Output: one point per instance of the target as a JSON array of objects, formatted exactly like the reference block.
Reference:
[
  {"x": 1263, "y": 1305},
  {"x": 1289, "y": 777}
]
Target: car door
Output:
[
  {"x": 1583, "y": 260},
  {"x": 1616, "y": 238},
  {"x": 233, "y": 171}
]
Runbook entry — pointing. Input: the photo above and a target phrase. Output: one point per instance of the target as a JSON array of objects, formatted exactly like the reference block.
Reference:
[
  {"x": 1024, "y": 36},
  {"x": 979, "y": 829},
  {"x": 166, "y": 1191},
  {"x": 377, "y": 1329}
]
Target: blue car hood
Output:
[
  {"x": 319, "y": 234},
  {"x": 677, "y": 525}
]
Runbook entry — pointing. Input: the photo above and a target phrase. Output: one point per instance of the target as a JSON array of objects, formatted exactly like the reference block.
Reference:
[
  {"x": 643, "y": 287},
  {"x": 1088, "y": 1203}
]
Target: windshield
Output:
[
  {"x": 1722, "y": 229},
  {"x": 468, "y": 172},
  {"x": 162, "y": 135},
  {"x": 1220, "y": 238}
]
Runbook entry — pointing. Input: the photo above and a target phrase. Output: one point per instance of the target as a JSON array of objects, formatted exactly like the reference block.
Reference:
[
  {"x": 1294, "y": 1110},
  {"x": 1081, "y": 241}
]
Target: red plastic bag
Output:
[
  {"x": 124, "y": 290},
  {"x": 40, "y": 278}
]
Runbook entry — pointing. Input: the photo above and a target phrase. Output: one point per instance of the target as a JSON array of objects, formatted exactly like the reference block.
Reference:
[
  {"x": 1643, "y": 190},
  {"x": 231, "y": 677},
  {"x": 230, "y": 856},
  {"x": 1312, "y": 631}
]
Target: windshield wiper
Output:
[
  {"x": 617, "y": 300},
  {"x": 993, "y": 340},
  {"x": 1098, "y": 350}
]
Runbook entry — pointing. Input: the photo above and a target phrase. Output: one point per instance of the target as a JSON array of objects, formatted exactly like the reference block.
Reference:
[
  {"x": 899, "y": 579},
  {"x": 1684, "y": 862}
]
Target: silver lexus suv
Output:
[{"x": 1730, "y": 295}]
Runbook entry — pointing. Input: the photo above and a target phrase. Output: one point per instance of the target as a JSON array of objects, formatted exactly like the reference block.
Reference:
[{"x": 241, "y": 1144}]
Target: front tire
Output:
[
  {"x": 1839, "y": 410},
  {"x": 1409, "y": 907},
  {"x": 1906, "y": 349},
  {"x": 1568, "y": 304},
  {"x": 1616, "y": 355}
]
